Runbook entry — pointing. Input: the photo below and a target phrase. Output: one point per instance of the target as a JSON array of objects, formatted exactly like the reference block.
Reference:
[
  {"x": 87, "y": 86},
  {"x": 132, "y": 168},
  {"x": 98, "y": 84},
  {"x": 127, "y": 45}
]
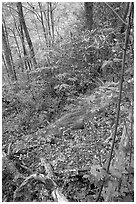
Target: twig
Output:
[{"x": 116, "y": 13}]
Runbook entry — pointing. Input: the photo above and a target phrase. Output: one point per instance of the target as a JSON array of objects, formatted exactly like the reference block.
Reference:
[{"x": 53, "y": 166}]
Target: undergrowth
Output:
[{"x": 66, "y": 113}]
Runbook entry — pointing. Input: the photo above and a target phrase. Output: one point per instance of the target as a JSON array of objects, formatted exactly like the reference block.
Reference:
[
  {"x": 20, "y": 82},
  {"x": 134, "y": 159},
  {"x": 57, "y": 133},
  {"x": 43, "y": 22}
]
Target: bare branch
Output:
[{"x": 115, "y": 13}]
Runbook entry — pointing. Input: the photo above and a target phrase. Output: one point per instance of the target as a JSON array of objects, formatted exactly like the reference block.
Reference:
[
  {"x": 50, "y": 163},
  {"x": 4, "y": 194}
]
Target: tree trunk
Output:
[
  {"x": 15, "y": 37},
  {"x": 48, "y": 22},
  {"x": 36, "y": 26},
  {"x": 44, "y": 31},
  {"x": 48, "y": 27},
  {"x": 20, "y": 33},
  {"x": 22, "y": 20},
  {"x": 124, "y": 17},
  {"x": 26, "y": 57},
  {"x": 5, "y": 65},
  {"x": 7, "y": 55},
  {"x": 89, "y": 14},
  {"x": 52, "y": 22},
  {"x": 11, "y": 58}
]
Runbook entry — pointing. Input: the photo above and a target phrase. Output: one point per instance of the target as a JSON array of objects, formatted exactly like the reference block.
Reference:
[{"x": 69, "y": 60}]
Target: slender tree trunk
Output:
[
  {"x": 5, "y": 65},
  {"x": 124, "y": 17},
  {"x": 44, "y": 31},
  {"x": 26, "y": 60},
  {"x": 123, "y": 27},
  {"x": 36, "y": 26},
  {"x": 52, "y": 22},
  {"x": 48, "y": 21},
  {"x": 89, "y": 14},
  {"x": 19, "y": 51},
  {"x": 21, "y": 65},
  {"x": 26, "y": 57},
  {"x": 7, "y": 39},
  {"x": 22, "y": 20},
  {"x": 18, "y": 48},
  {"x": 15, "y": 36},
  {"x": 7, "y": 55},
  {"x": 21, "y": 36}
]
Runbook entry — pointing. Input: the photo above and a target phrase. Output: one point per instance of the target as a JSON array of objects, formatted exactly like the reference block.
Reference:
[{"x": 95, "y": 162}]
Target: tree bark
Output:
[
  {"x": 10, "y": 53},
  {"x": 15, "y": 37},
  {"x": 124, "y": 17},
  {"x": 23, "y": 23},
  {"x": 44, "y": 31},
  {"x": 48, "y": 22},
  {"x": 89, "y": 14},
  {"x": 26, "y": 57},
  {"x": 7, "y": 55},
  {"x": 52, "y": 21}
]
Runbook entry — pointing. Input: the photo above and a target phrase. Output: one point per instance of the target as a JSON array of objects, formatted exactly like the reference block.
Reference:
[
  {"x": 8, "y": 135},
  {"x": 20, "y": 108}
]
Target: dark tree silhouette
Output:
[
  {"x": 89, "y": 14},
  {"x": 23, "y": 23}
]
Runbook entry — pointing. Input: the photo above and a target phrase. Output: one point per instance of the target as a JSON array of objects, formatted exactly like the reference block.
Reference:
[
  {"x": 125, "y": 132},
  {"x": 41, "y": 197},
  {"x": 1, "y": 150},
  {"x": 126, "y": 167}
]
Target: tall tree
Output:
[
  {"x": 16, "y": 33},
  {"x": 42, "y": 21},
  {"x": 23, "y": 23},
  {"x": 47, "y": 20},
  {"x": 52, "y": 21},
  {"x": 26, "y": 57},
  {"x": 10, "y": 53},
  {"x": 7, "y": 55},
  {"x": 88, "y": 6}
]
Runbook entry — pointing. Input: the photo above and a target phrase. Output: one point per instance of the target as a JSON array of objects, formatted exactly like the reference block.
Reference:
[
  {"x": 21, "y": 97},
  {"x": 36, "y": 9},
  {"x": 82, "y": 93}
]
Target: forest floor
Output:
[{"x": 76, "y": 153}]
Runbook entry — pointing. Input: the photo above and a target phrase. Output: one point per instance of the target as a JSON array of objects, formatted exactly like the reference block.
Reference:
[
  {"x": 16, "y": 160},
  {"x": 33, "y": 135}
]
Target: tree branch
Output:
[{"x": 115, "y": 13}]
